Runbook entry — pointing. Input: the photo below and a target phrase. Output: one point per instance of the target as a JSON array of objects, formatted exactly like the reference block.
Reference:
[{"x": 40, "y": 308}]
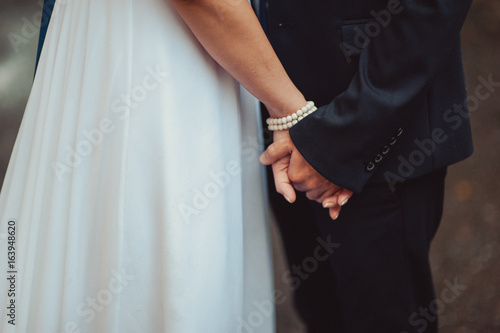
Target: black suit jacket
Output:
[{"x": 388, "y": 77}]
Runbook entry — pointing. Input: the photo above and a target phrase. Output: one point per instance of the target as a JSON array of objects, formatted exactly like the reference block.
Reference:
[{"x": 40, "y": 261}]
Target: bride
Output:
[{"x": 133, "y": 201}]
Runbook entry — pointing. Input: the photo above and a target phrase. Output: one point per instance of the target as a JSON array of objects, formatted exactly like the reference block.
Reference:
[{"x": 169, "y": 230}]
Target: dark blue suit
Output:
[
  {"x": 375, "y": 68},
  {"x": 393, "y": 114}
]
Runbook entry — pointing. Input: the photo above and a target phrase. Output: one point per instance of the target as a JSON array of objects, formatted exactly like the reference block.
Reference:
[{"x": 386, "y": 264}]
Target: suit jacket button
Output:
[
  {"x": 378, "y": 158},
  {"x": 393, "y": 141},
  {"x": 370, "y": 166},
  {"x": 400, "y": 131},
  {"x": 385, "y": 150}
]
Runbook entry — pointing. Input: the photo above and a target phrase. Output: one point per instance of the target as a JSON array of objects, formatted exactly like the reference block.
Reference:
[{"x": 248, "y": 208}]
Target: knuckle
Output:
[
  {"x": 311, "y": 195},
  {"x": 312, "y": 183},
  {"x": 295, "y": 177},
  {"x": 270, "y": 152}
]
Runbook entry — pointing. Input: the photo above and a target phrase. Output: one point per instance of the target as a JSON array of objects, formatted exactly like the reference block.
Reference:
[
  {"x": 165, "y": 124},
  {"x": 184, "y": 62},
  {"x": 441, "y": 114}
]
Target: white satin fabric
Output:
[{"x": 134, "y": 185}]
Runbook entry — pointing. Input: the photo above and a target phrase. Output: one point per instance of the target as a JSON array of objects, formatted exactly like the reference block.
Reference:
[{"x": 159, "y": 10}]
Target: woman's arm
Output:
[{"x": 232, "y": 35}]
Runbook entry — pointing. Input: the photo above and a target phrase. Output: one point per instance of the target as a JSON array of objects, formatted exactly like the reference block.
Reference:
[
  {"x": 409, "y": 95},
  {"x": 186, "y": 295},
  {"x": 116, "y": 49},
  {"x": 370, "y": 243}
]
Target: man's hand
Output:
[{"x": 291, "y": 171}]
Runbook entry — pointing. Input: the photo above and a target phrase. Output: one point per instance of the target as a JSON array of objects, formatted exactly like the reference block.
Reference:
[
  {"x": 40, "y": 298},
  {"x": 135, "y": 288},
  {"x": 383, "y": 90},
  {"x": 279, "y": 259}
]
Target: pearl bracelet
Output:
[{"x": 279, "y": 124}]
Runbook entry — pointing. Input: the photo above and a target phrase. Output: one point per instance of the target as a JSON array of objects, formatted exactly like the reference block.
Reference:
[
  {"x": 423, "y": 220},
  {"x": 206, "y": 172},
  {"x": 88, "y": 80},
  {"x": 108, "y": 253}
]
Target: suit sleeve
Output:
[{"x": 396, "y": 67}]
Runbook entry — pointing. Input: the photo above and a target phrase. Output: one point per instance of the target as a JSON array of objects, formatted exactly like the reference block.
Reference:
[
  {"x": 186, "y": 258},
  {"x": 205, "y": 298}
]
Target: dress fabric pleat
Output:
[{"x": 134, "y": 184}]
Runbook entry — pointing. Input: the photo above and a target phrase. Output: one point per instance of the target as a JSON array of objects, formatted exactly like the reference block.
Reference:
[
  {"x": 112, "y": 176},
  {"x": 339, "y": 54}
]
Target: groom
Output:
[{"x": 387, "y": 76}]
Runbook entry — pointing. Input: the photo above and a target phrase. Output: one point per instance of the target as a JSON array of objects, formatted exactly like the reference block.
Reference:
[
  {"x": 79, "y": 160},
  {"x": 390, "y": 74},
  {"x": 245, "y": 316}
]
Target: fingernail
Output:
[
  {"x": 287, "y": 199},
  {"x": 328, "y": 205},
  {"x": 344, "y": 202},
  {"x": 335, "y": 217}
]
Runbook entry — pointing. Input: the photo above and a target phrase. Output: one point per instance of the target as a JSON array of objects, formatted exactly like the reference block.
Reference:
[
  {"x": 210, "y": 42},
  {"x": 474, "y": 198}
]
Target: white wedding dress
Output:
[{"x": 134, "y": 201}]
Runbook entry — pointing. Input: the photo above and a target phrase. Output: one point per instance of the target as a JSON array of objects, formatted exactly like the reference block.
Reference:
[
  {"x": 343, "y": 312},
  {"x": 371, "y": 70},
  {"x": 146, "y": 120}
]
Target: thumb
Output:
[
  {"x": 274, "y": 152},
  {"x": 281, "y": 180}
]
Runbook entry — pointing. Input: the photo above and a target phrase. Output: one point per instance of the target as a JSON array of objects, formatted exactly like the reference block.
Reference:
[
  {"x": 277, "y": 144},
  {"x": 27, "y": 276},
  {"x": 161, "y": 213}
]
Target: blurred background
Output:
[{"x": 466, "y": 248}]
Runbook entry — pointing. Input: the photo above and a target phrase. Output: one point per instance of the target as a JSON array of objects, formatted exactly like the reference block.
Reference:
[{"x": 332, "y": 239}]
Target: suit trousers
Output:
[{"x": 368, "y": 271}]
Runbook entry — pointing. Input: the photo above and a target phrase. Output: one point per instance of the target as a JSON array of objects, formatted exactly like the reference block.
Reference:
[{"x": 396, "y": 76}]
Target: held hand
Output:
[
  {"x": 305, "y": 178},
  {"x": 291, "y": 171}
]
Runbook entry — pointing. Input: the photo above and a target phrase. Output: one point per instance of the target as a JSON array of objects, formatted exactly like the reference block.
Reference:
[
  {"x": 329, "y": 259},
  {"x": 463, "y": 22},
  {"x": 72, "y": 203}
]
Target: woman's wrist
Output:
[
  {"x": 287, "y": 108},
  {"x": 286, "y": 122}
]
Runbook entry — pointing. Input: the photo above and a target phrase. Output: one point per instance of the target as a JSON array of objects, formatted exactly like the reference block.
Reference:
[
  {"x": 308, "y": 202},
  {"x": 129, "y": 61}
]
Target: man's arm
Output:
[{"x": 395, "y": 69}]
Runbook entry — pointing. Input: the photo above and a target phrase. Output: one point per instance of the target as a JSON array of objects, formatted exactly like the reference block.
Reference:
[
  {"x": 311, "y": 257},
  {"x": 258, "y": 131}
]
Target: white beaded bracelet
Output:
[{"x": 279, "y": 124}]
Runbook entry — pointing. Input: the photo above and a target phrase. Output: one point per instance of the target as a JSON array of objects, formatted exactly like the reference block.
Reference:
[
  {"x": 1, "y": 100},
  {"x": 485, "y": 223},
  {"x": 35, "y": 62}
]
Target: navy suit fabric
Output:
[
  {"x": 388, "y": 78},
  {"x": 377, "y": 69}
]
